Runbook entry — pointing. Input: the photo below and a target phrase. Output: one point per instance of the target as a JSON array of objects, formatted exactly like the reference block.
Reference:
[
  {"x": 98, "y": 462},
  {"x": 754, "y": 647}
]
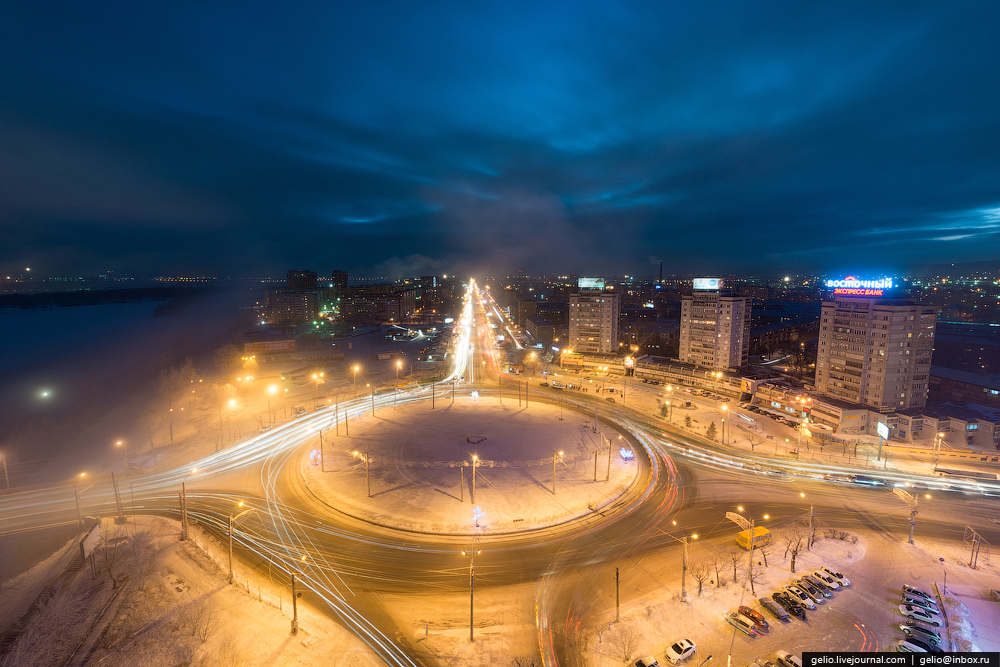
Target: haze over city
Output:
[
  {"x": 581, "y": 333},
  {"x": 591, "y": 137}
]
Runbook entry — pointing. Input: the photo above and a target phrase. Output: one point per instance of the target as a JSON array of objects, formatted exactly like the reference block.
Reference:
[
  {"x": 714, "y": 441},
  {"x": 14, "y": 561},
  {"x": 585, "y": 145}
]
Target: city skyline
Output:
[{"x": 173, "y": 140}]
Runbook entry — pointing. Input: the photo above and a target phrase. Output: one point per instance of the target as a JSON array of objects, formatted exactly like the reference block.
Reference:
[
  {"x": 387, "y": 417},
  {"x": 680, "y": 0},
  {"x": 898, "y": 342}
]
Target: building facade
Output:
[
  {"x": 715, "y": 327},
  {"x": 875, "y": 351},
  {"x": 593, "y": 321}
]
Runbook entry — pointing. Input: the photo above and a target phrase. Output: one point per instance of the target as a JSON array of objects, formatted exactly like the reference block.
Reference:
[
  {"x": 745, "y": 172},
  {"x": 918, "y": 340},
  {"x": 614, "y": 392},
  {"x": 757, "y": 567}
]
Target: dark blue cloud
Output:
[{"x": 562, "y": 136}]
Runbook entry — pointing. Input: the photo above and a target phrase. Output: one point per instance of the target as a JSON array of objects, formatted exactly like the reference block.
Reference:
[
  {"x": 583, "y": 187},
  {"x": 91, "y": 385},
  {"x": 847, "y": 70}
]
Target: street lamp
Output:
[
  {"x": 399, "y": 364},
  {"x": 76, "y": 494},
  {"x": 725, "y": 409},
  {"x": 937, "y": 448},
  {"x": 670, "y": 403},
  {"x": 273, "y": 389},
  {"x": 471, "y": 555},
  {"x": 121, "y": 443},
  {"x": 356, "y": 369},
  {"x": 317, "y": 379},
  {"x": 554, "y": 453},
  {"x": 233, "y": 520}
]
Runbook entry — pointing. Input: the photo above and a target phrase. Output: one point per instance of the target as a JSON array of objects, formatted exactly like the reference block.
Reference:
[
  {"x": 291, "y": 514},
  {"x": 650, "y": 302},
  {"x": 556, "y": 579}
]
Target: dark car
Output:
[
  {"x": 790, "y": 605},
  {"x": 813, "y": 589},
  {"x": 818, "y": 583},
  {"x": 774, "y": 608},
  {"x": 609, "y": 399}
]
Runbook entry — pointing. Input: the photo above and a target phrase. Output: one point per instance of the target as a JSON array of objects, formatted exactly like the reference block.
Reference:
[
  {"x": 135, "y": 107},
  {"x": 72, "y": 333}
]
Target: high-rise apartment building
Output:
[
  {"x": 715, "y": 326},
  {"x": 593, "y": 318},
  {"x": 873, "y": 350}
]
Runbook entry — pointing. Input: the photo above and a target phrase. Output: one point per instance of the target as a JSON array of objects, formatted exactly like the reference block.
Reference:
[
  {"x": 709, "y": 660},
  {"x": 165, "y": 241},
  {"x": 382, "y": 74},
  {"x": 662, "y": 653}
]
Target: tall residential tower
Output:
[
  {"x": 593, "y": 318},
  {"x": 874, "y": 349},
  {"x": 714, "y": 326}
]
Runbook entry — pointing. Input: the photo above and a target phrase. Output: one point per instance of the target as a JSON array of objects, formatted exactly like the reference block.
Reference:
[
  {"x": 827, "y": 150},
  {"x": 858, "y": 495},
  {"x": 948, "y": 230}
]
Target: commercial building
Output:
[
  {"x": 873, "y": 349},
  {"x": 593, "y": 318},
  {"x": 715, "y": 326}
]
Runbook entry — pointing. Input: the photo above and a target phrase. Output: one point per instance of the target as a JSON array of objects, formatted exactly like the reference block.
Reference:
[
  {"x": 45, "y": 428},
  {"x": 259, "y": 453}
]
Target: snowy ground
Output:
[
  {"x": 172, "y": 606},
  {"x": 420, "y": 466}
]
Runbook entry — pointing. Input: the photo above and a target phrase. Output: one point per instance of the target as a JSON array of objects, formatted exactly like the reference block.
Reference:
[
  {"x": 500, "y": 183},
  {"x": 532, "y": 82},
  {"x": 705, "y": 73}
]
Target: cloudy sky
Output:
[{"x": 410, "y": 137}]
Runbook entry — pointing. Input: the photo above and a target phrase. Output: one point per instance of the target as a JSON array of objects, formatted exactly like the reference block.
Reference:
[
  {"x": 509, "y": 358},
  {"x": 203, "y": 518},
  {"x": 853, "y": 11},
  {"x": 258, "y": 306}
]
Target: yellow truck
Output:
[{"x": 761, "y": 538}]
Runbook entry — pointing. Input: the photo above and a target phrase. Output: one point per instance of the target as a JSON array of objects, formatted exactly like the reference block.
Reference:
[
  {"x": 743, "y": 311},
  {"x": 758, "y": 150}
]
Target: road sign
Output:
[{"x": 739, "y": 520}]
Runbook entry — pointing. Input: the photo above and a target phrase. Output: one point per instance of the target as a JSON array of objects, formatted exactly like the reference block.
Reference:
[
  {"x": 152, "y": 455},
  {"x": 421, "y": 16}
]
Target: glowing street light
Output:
[
  {"x": 121, "y": 443},
  {"x": 273, "y": 389},
  {"x": 76, "y": 494}
]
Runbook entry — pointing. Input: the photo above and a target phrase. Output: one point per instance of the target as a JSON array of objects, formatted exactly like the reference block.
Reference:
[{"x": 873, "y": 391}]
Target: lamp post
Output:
[
  {"x": 725, "y": 411},
  {"x": 475, "y": 463},
  {"x": 471, "y": 555},
  {"x": 317, "y": 379},
  {"x": 937, "y": 448},
  {"x": 399, "y": 364},
  {"x": 123, "y": 445},
  {"x": 3, "y": 459},
  {"x": 356, "y": 368},
  {"x": 273, "y": 389},
  {"x": 670, "y": 403},
  {"x": 76, "y": 494},
  {"x": 684, "y": 559},
  {"x": 232, "y": 521},
  {"x": 554, "y": 453}
]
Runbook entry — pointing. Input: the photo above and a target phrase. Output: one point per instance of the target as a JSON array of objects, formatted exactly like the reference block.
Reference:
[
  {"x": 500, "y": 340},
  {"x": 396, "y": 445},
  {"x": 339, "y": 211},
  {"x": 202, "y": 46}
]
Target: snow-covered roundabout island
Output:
[{"x": 411, "y": 467}]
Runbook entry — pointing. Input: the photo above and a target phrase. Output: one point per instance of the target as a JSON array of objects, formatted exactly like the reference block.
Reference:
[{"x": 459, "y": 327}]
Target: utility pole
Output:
[
  {"x": 618, "y": 599},
  {"x": 452, "y": 391},
  {"x": 526, "y": 383},
  {"x": 809, "y": 542},
  {"x": 432, "y": 394},
  {"x": 472, "y": 590},
  {"x": 120, "y": 519},
  {"x": 475, "y": 460},
  {"x": 295, "y": 608},
  {"x": 6, "y": 479},
  {"x": 596, "y": 409},
  {"x": 184, "y": 512},
  {"x": 595, "y": 464},
  {"x": 752, "y": 543},
  {"x": 373, "y": 401},
  {"x": 368, "y": 476},
  {"x": 230, "y": 548},
  {"x": 322, "y": 464},
  {"x": 347, "y": 423},
  {"x": 684, "y": 570},
  {"x": 607, "y": 477}
]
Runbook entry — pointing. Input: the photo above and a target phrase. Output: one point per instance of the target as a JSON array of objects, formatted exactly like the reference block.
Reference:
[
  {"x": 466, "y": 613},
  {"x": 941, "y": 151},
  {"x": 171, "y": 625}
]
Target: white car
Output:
[
  {"x": 786, "y": 659},
  {"x": 680, "y": 650},
  {"x": 827, "y": 578},
  {"x": 844, "y": 581},
  {"x": 741, "y": 623},
  {"x": 920, "y": 614},
  {"x": 921, "y": 633},
  {"x": 918, "y": 601},
  {"x": 648, "y": 661},
  {"x": 801, "y": 596}
]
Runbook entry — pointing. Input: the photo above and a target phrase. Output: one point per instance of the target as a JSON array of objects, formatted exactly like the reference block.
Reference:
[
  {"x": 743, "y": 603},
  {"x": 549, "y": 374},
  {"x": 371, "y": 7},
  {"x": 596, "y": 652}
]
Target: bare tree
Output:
[
  {"x": 229, "y": 359},
  {"x": 755, "y": 439},
  {"x": 624, "y": 640},
  {"x": 524, "y": 661},
  {"x": 717, "y": 563},
  {"x": 763, "y": 552},
  {"x": 793, "y": 542},
  {"x": 754, "y": 575},
  {"x": 736, "y": 556},
  {"x": 112, "y": 550},
  {"x": 701, "y": 571}
]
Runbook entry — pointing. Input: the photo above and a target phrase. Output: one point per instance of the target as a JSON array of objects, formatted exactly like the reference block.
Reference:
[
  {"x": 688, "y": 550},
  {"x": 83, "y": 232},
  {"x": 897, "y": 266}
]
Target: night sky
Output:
[{"x": 400, "y": 138}]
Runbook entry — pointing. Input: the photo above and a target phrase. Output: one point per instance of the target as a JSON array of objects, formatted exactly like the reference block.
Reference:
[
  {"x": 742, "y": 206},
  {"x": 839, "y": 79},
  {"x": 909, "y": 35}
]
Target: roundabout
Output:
[{"x": 476, "y": 466}]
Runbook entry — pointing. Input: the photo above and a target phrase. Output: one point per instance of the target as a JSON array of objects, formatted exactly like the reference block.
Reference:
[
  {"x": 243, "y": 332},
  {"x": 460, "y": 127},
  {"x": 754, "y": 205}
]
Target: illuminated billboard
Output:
[
  {"x": 851, "y": 286},
  {"x": 708, "y": 283},
  {"x": 590, "y": 283}
]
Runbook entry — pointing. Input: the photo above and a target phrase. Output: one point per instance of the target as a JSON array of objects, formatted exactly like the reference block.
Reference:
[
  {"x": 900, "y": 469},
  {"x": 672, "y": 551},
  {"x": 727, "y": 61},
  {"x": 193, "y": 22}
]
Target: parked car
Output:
[
  {"x": 800, "y": 596},
  {"x": 680, "y": 650},
  {"x": 913, "y": 645},
  {"x": 789, "y": 604},
  {"x": 920, "y": 614},
  {"x": 774, "y": 608},
  {"x": 817, "y": 594},
  {"x": 844, "y": 581},
  {"x": 546, "y": 384},
  {"x": 741, "y": 623},
  {"x": 609, "y": 399},
  {"x": 786, "y": 659},
  {"x": 828, "y": 579},
  {"x": 764, "y": 662},
  {"x": 920, "y": 632},
  {"x": 648, "y": 661},
  {"x": 755, "y": 616},
  {"x": 916, "y": 592},
  {"x": 922, "y": 603},
  {"x": 820, "y": 584}
]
